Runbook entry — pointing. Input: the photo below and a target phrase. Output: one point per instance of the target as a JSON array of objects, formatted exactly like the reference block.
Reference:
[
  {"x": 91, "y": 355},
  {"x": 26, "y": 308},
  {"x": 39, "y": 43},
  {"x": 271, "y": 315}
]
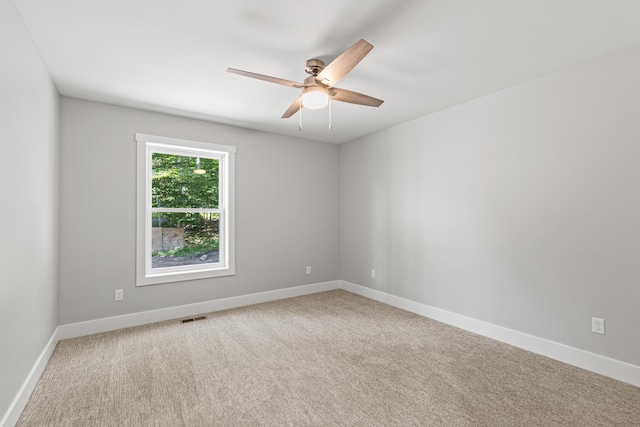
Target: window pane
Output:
[
  {"x": 183, "y": 181},
  {"x": 184, "y": 239}
]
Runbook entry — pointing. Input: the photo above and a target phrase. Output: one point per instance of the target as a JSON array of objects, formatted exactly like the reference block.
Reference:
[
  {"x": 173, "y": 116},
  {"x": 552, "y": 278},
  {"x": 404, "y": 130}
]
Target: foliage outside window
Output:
[{"x": 185, "y": 210}]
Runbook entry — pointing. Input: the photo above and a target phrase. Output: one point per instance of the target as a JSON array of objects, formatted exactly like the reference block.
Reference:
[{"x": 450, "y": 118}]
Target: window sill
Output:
[{"x": 181, "y": 276}]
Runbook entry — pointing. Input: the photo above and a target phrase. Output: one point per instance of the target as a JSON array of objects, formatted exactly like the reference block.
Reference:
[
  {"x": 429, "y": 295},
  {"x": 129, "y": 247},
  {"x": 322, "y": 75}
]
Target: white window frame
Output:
[{"x": 225, "y": 154}]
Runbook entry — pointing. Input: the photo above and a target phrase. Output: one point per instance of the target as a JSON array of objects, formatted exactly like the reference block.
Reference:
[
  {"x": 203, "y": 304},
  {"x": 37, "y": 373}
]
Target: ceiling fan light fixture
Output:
[{"x": 315, "y": 97}]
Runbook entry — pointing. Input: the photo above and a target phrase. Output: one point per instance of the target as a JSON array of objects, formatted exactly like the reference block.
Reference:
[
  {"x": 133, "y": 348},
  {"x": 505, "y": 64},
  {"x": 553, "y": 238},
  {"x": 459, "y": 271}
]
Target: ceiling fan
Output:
[{"x": 318, "y": 88}]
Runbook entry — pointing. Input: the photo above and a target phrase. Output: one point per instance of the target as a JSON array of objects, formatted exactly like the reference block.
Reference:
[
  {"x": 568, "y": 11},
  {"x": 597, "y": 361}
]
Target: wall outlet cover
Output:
[{"x": 597, "y": 325}]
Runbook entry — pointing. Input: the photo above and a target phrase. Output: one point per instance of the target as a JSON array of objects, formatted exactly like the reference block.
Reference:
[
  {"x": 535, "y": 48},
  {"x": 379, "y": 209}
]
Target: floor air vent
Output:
[{"x": 193, "y": 319}]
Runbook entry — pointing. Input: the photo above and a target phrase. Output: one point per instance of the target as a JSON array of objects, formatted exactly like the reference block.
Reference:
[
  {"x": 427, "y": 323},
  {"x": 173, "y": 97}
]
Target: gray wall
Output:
[
  {"x": 286, "y": 211},
  {"x": 521, "y": 208},
  {"x": 29, "y": 213}
]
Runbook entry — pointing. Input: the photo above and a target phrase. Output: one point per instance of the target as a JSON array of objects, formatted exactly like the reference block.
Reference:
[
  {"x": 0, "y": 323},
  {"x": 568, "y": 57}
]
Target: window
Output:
[{"x": 185, "y": 218}]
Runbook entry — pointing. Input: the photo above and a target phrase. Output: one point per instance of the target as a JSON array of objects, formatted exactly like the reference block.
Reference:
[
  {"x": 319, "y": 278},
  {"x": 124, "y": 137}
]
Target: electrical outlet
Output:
[
  {"x": 308, "y": 269},
  {"x": 119, "y": 295},
  {"x": 373, "y": 274},
  {"x": 597, "y": 325}
]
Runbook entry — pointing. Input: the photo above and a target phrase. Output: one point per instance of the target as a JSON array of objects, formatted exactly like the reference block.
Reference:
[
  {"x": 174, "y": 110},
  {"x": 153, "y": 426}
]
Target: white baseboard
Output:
[
  {"x": 12, "y": 415},
  {"x": 602, "y": 365},
  {"x": 73, "y": 330}
]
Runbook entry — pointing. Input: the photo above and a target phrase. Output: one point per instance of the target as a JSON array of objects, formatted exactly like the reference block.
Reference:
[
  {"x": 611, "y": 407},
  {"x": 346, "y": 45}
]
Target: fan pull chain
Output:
[
  {"x": 330, "y": 126},
  {"x": 300, "y": 115}
]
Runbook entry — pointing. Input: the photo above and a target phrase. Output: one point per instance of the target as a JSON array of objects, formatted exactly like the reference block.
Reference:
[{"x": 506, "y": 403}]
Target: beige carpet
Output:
[{"x": 329, "y": 359}]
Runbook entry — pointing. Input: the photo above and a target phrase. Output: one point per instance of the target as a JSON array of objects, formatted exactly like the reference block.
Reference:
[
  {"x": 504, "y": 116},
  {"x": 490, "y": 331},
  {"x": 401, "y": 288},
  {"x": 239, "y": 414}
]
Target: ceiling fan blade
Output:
[
  {"x": 339, "y": 67},
  {"x": 265, "y": 78},
  {"x": 344, "y": 95},
  {"x": 293, "y": 108}
]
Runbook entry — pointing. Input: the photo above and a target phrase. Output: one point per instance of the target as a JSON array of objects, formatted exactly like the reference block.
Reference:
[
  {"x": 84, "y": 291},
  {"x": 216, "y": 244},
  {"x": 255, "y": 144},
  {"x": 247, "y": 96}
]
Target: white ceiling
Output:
[{"x": 172, "y": 56}]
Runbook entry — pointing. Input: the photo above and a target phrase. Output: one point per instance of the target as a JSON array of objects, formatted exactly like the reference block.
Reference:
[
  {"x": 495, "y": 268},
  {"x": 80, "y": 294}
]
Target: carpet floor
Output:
[{"x": 328, "y": 359}]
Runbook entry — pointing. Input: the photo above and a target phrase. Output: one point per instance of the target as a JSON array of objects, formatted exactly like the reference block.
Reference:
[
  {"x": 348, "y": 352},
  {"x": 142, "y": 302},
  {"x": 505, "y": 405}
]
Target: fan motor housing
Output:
[{"x": 314, "y": 66}]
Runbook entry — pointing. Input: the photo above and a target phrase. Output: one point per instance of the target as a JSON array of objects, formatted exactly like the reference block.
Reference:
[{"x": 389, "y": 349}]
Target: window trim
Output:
[{"x": 146, "y": 145}]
